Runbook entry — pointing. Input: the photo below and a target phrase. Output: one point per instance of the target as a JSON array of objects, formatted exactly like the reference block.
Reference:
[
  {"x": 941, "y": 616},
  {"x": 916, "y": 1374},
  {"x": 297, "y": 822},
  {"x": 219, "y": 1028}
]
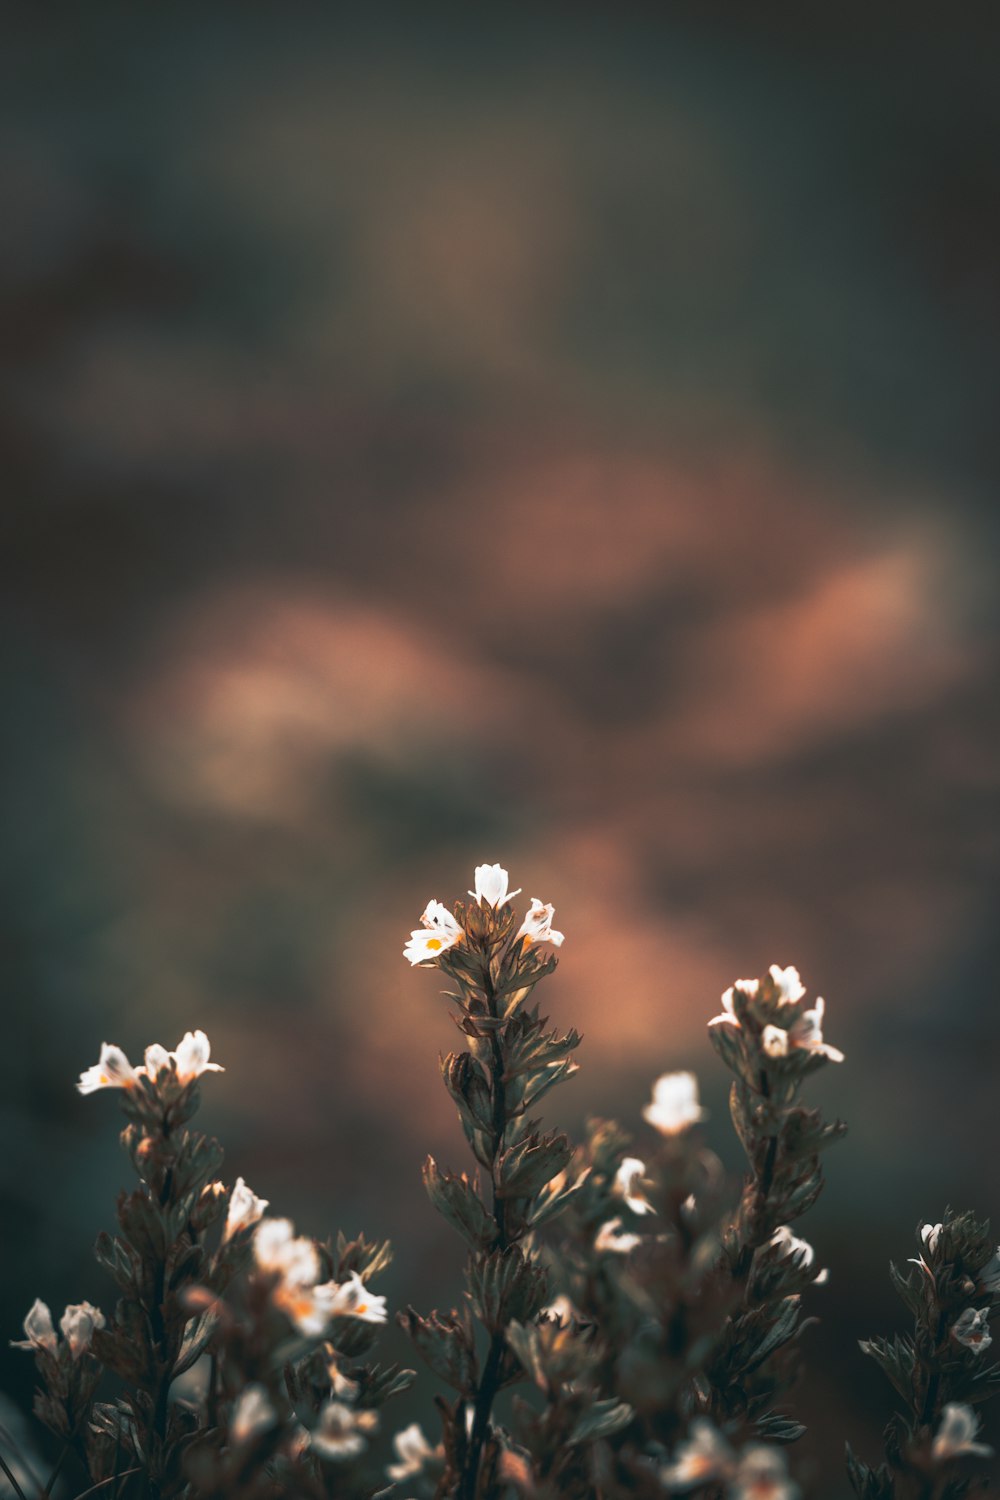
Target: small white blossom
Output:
[
  {"x": 989, "y": 1275},
  {"x": 703, "y": 1456},
  {"x": 155, "y": 1060},
  {"x": 412, "y": 1450},
  {"x": 191, "y": 1057},
  {"x": 491, "y": 886},
  {"x": 112, "y": 1071},
  {"x": 798, "y": 1250},
  {"x": 537, "y": 925},
  {"x": 762, "y": 1474},
  {"x": 352, "y": 1299},
  {"x": 279, "y": 1252},
  {"x": 39, "y": 1329},
  {"x": 612, "y": 1239},
  {"x": 774, "y": 1041},
  {"x": 245, "y": 1208},
  {"x": 971, "y": 1328},
  {"x": 252, "y": 1414},
  {"x": 675, "y": 1103},
  {"x": 438, "y": 932},
  {"x": 78, "y": 1323},
  {"x": 561, "y": 1308},
  {"x": 338, "y": 1433},
  {"x": 788, "y": 984},
  {"x": 929, "y": 1236},
  {"x": 953, "y": 1439},
  {"x": 807, "y": 1033},
  {"x": 627, "y": 1185}
]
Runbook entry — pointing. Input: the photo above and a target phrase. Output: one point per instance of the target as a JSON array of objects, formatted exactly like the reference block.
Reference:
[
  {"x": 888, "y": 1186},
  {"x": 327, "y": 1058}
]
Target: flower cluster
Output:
[
  {"x": 292, "y": 1266},
  {"x": 188, "y": 1061}
]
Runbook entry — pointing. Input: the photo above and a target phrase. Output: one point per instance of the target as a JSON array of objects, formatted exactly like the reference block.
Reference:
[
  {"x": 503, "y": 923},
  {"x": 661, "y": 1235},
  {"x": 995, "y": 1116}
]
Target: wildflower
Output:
[
  {"x": 989, "y": 1275},
  {"x": 252, "y": 1414},
  {"x": 77, "y": 1324},
  {"x": 774, "y": 1041},
  {"x": 971, "y": 1328},
  {"x": 675, "y": 1103},
  {"x": 930, "y": 1234},
  {"x": 953, "y": 1439},
  {"x": 626, "y": 1185},
  {"x": 38, "y": 1327},
  {"x": 352, "y": 1299},
  {"x": 412, "y": 1450},
  {"x": 339, "y": 1432},
  {"x": 191, "y": 1057},
  {"x": 799, "y": 1251},
  {"x": 788, "y": 984},
  {"x": 537, "y": 925},
  {"x": 807, "y": 1033},
  {"x": 112, "y": 1071},
  {"x": 294, "y": 1262},
  {"x": 439, "y": 932},
  {"x": 612, "y": 1239},
  {"x": 705, "y": 1455},
  {"x": 560, "y": 1309},
  {"x": 155, "y": 1060},
  {"x": 245, "y": 1208},
  {"x": 762, "y": 1475},
  {"x": 491, "y": 886},
  {"x": 747, "y": 988}
]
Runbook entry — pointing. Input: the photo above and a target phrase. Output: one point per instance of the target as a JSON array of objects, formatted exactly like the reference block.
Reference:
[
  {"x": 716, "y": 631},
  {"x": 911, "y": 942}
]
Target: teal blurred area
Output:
[{"x": 436, "y": 436}]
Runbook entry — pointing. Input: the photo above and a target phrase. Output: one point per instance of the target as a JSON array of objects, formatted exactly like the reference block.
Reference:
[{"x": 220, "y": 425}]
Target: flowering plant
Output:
[{"x": 629, "y": 1326}]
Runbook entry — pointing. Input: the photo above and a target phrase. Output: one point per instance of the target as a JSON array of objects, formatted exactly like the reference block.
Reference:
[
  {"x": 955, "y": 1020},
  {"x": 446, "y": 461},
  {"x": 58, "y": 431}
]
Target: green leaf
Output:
[
  {"x": 600, "y": 1420},
  {"x": 457, "y": 1200}
]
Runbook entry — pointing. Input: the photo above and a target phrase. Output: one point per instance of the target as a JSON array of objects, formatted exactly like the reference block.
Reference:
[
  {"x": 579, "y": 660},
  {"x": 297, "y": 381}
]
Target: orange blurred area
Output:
[{"x": 566, "y": 444}]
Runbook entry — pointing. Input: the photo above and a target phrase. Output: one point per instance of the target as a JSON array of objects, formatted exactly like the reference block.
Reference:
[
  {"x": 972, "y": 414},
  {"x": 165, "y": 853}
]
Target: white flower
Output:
[
  {"x": 762, "y": 1474},
  {"x": 78, "y": 1323},
  {"x": 675, "y": 1103},
  {"x": 774, "y": 1040},
  {"x": 252, "y": 1414},
  {"x": 561, "y": 1308},
  {"x": 989, "y": 1275},
  {"x": 352, "y": 1299},
  {"x": 309, "y": 1308},
  {"x": 748, "y": 989},
  {"x": 338, "y": 1432},
  {"x": 439, "y": 932},
  {"x": 799, "y": 1251},
  {"x": 191, "y": 1057},
  {"x": 704, "y": 1455},
  {"x": 929, "y": 1236},
  {"x": 612, "y": 1240},
  {"x": 38, "y": 1327},
  {"x": 971, "y": 1328},
  {"x": 953, "y": 1439},
  {"x": 626, "y": 1185},
  {"x": 807, "y": 1033},
  {"x": 155, "y": 1060},
  {"x": 245, "y": 1208},
  {"x": 491, "y": 886},
  {"x": 113, "y": 1071},
  {"x": 413, "y": 1450},
  {"x": 277, "y": 1250},
  {"x": 788, "y": 984},
  {"x": 537, "y": 925}
]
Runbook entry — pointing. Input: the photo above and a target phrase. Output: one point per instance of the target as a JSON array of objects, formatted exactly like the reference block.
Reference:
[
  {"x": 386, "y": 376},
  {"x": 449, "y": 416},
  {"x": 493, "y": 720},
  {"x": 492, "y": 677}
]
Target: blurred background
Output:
[{"x": 440, "y": 437}]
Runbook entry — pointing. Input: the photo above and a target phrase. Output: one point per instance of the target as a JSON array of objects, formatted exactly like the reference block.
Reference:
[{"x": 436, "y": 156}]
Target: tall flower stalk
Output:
[{"x": 509, "y": 1062}]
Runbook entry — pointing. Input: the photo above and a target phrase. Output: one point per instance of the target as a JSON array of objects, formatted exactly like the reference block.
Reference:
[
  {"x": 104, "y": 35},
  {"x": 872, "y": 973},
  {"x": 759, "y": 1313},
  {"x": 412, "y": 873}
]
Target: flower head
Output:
[
  {"x": 78, "y": 1323},
  {"x": 788, "y": 985},
  {"x": 971, "y": 1328},
  {"x": 703, "y": 1456},
  {"x": 39, "y": 1329},
  {"x": 762, "y": 1474},
  {"x": 112, "y": 1071},
  {"x": 155, "y": 1060},
  {"x": 191, "y": 1057},
  {"x": 798, "y": 1251},
  {"x": 491, "y": 886},
  {"x": 537, "y": 925},
  {"x": 339, "y": 1432},
  {"x": 611, "y": 1239},
  {"x": 675, "y": 1103},
  {"x": 412, "y": 1450},
  {"x": 245, "y": 1209},
  {"x": 953, "y": 1439},
  {"x": 627, "y": 1185},
  {"x": 252, "y": 1414},
  {"x": 438, "y": 932},
  {"x": 807, "y": 1033},
  {"x": 352, "y": 1299}
]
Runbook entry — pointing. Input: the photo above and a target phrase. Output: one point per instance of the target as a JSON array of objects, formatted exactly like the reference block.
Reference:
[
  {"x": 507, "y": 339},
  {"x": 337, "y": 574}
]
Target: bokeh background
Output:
[{"x": 514, "y": 434}]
